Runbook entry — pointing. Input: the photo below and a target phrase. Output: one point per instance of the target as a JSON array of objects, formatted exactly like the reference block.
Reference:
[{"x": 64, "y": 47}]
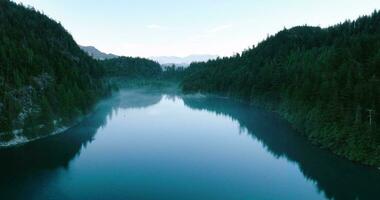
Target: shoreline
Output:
[
  {"x": 19, "y": 139},
  {"x": 284, "y": 117}
]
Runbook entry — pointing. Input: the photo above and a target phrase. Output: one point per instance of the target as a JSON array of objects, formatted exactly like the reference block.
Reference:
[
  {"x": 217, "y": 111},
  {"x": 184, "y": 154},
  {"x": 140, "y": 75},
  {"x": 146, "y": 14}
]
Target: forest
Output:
[
  {"x": 325, "y": 81},
  {"x": 46, "y": 80},
  {"x": 131, "y": 68}
]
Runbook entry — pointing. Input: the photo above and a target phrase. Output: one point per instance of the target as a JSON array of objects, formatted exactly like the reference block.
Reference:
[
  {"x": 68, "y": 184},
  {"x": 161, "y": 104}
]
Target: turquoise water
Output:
[{"x": 154, "y": 145}]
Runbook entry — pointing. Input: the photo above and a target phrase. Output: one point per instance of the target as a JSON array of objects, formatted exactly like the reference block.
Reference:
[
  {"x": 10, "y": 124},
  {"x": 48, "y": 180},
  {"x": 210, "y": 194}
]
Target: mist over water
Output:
[{"x": 153, "y": 144}]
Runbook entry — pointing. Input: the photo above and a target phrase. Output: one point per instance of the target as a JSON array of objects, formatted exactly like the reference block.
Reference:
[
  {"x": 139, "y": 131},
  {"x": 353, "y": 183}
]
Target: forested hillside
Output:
[
  {"x": 128, "y": 67},
  {"x": 326, "y": 82},
  {"x": 46, "y": 80}
]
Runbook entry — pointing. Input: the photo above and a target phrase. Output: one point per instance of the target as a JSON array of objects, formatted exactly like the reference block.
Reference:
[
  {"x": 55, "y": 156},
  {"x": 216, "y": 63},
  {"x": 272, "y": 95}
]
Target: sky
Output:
[{"x": 148, "y": 28}]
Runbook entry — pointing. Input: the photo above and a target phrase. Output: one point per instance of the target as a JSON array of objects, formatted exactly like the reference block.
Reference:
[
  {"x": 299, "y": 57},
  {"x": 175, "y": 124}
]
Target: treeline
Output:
[
  {"x": 326, "y": 82},
  {"x": 132, "y": 68},
  {"x": 132, "y": 72},
  {"x": 46, "y": 80},
  {"x": 173, "y": 73}
]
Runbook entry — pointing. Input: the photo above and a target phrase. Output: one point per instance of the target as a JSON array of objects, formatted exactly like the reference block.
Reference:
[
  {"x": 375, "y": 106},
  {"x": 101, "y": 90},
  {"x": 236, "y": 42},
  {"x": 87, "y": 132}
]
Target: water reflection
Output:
[
  {"x": 25, "y": 169},
  {"x": 336, "y": 177},
  {"x": 24, "y": 163}
]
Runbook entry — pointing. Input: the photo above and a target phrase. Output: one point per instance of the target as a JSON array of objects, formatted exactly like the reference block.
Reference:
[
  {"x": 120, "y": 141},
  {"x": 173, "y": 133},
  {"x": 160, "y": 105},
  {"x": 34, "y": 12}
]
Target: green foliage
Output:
[
  {"x": 322, "y": 80},
  {"x": 173, "y": 73},
  {"x": 128, "y": 72},
  {"x": 44, "y": 75},
  {"x": 132, "y": 68}
]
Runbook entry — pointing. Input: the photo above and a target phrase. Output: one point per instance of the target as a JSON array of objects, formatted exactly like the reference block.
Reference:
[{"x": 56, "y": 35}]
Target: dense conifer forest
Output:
[
  {"x": 131, "y": 68},
  {"x": 325, "y": 81},
  {"x": 46, "y": 80}
]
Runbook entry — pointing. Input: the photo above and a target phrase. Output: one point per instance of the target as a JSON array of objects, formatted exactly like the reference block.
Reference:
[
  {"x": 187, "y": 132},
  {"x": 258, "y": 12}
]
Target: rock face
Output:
[{"x": 95, "y": 53}]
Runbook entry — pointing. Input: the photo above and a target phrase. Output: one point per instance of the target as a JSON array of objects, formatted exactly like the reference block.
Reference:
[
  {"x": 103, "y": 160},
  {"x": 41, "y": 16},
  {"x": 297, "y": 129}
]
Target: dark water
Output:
[{"x": 155, "y": 145}]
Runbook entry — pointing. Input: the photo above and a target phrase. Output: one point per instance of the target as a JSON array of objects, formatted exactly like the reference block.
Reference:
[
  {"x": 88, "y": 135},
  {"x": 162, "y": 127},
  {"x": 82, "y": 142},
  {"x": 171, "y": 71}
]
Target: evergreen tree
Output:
[{"x": 324, "y": 81}]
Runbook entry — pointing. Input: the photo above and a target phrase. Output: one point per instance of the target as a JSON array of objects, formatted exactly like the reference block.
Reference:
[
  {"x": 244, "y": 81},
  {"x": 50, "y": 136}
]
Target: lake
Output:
[{"x": 157, "y": 144}]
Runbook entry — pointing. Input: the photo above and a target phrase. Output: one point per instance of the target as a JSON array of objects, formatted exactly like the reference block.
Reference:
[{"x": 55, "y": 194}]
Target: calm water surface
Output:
[{"x": 156, "y": 145}]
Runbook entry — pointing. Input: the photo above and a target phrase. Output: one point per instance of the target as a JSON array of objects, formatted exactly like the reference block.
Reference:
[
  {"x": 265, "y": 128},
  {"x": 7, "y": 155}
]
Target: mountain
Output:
[
  {"x": 95, "y": 53},
  {"x": 182, "y": 61},
  {"x": 325, "y": 81},
  {"x": 46, "y": 80}
]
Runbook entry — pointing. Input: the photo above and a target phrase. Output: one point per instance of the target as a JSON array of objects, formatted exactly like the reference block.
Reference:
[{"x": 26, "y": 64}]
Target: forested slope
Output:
[
  {"x": 46, "y": 80},
  {"x": 326, "y": 82},
  {"x": 132, "y": 68}
]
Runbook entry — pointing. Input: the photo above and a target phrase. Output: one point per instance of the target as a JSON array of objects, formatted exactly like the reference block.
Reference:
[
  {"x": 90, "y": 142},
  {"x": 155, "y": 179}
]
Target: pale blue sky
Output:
[{"x": 183, "y": 27}]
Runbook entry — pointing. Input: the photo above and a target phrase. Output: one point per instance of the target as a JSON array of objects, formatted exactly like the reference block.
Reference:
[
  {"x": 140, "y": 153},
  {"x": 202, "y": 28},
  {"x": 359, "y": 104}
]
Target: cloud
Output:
[
  {"x": 219, "y": 28},
  {"x": 209, "y": 33},
  {"x": 155, "y": 26}
]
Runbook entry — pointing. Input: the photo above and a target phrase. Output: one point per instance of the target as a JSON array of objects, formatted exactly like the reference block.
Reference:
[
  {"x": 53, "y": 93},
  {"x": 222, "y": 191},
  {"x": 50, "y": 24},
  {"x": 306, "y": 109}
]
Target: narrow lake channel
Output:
[{"x": 150, "y": 144}]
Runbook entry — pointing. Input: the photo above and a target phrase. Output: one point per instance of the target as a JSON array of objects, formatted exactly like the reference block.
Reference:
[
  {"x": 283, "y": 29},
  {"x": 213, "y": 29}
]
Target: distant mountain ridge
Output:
[
  {"x": 97, "y": 54},
  {"x": 182, "y": 61},
  {"x": 163, "y": 60}
]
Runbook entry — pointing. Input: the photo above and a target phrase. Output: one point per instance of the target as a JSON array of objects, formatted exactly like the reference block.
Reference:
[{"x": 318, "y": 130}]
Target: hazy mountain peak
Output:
[
  {"x": 97, "y": 54},
  {"x": 183, "y": 61}
]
